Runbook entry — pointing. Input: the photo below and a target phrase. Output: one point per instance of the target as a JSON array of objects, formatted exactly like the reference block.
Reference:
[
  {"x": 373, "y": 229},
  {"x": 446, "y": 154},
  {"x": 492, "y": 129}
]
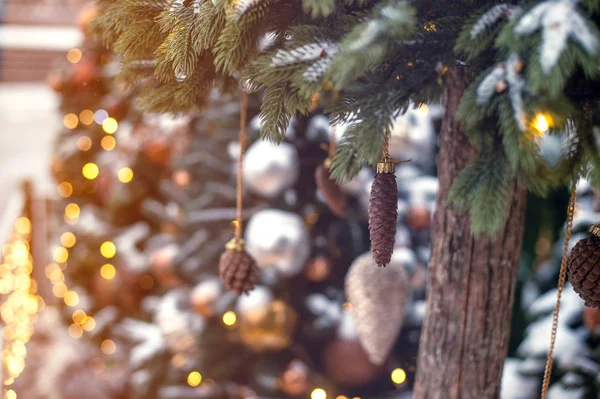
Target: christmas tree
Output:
[{"x": 507, "y": 74}]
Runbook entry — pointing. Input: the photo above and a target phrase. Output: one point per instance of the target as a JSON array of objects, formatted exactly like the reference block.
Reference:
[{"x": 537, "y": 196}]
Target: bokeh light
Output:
[
  {"x": 74, "y": 55},
  {"x": 65, "y": 189},
  {"x": 110, "y": 125},
  {"x": 108, "y": 249},
  {"x": 108, "y": 347},
  {"x": 75, "y": 330},
  {"x": 23, "y": 225},
  {"x": 108, "y": 143},
  {"x": 542, "y": 123},
  {"x": 194, "y": 379},
  {"x": 100, "y": 116},
  {"x": 79, "y": 316},
  {"x": 89, "y": 324},
  {"x": 108, "y": 271},
  {"x": 125, "y": 175},
  {"x": 67, "y": 239},
  {"x": 90, "y": 171},
  {"x": 398, "y": 376},
  {"x": 71, "y": 299},
  {"x": 60, "y": 254},
  {"x": 59, "y": 290},
  {"x": 229, "y": 318},
  {"x": 11, "y": 394},
  {"x": 72, "y": 211},
  {"x": 70, "y": 121},
  {"x": 84, "y": 143},
  {"x": 86, "y": 116},
  {"x": 318, "y": 393}
]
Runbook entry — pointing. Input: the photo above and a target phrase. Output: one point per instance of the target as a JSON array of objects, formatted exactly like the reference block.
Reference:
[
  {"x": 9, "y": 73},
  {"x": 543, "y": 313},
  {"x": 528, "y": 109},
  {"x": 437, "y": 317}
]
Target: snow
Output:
[
  {"x": 241, "y": 6},
  {"x": 487, "y": 87},
  {"x": 571, "y": 305},
  {"x": 306, "y": 53},
  {"x": 150, "y": 338},
  {"x": 176, "y": 5},
  {"x": 368, "y": 36},
  {"x": 256, "y": 300},
  {"x": 558, "y": 20},
  {"x": 316, "y": 71},
  {"x": 516, "y": 85},
  {"x": 493, "y": 16},
  {"x": 514, "y": 385},
  {"x": 559, "y": 391}
]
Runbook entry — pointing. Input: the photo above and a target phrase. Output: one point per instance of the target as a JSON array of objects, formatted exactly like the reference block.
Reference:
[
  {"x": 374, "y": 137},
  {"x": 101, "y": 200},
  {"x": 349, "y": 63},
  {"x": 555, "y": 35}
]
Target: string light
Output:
[
  {"x": 74, "y": 55},
  {"x": 108, "y": 143},
  {"x": 75, "y": 330},
  {"x": 72, "y": 211},
  {"x": 110, "y": 125},
  {"x": 125, "y": 175},
  {"x": 90, "y": 171},
  {"x": 23, "y": 226},
  {"x": 229, "y": 318},
  {"x": 79, "y": 316},
  {"x": 84, "y": 143},
  {"x": 60, "y": 254},
  {"x": 341, "y": 397},
  {"x": 70, "y": 121},
  {"x": 194, "y": 379},
  {"x": 108, "y": 347},
  {"x": 59, "y": 290},
  {"x": 71, "y": 299},
  {"x": 108, "y": 271},
  {"x": 542, "y": 123},
  {"x": 86, "y": 116},
  {"x": 318, "y": 393},
  {"x": 67, "y": 239},
  {"x": 108, "y": 249},
  {"x": 65, "y": 189},
  {"x": 89, "y": 324},
  {"x": 398, "y": 376},
  {"x": 11, "y": 394}
]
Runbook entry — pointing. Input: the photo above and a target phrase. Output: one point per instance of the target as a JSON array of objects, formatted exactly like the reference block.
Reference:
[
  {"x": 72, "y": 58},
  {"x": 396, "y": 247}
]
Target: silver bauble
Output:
[
  {"x": 413, "y": 137},
  {"x": 269, "y": 169},
  {"x": 254, "y": 301},
  {"x": 378, "y": 296},
  {"x": 279, "y": 239}
]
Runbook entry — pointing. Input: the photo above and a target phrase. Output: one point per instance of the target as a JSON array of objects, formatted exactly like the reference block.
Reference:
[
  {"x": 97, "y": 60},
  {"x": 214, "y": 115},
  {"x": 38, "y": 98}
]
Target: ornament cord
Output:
[
  {"x": 240, "y": 181},
  {"x": 561, "y": 283}
]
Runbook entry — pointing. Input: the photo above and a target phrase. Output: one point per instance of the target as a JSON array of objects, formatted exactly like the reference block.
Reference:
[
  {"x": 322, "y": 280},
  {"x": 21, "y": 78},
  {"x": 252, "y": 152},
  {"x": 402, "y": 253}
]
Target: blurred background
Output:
[{"x": 112, "y": 222}]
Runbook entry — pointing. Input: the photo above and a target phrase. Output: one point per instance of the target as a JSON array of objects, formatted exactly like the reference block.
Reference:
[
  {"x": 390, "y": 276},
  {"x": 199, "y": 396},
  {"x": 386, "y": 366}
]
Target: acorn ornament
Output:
[
  {"x": 383, "y": 209},
  {"x": 237, "y": 269},
  {"x": 584, "y": 268}
]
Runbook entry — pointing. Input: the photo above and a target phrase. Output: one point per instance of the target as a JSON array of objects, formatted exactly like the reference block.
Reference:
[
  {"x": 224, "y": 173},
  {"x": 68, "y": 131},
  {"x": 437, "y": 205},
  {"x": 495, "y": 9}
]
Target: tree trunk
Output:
[{"x": 471, "y": 281}]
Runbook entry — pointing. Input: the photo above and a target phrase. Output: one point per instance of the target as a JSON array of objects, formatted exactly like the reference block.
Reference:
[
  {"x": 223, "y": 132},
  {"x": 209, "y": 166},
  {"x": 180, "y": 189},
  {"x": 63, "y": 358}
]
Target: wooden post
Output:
[{"x": 471, "y": 281}]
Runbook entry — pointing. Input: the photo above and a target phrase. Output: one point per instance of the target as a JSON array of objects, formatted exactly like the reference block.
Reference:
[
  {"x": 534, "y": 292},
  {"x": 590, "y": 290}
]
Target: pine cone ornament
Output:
[
  {"x": 383, "y": 212},
  {"x": 333, "y": 195},
  {"x": 237, "y": 268},
  {"x": 584, "y": 268}
]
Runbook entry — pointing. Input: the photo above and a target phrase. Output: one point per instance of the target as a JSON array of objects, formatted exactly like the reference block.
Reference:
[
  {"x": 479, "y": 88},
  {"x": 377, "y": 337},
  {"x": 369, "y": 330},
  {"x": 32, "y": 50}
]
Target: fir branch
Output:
[
  {"x": 318, "y": 8},
  {"x": 274, "y": 117}
]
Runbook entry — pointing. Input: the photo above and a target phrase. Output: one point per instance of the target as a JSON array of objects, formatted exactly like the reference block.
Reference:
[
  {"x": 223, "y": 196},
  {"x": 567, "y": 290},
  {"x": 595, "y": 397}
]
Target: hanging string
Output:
[
  {"x": 386, "y": 146},
  {"x": 561, "y": 283},
  {"x": 240, "y": 181}
]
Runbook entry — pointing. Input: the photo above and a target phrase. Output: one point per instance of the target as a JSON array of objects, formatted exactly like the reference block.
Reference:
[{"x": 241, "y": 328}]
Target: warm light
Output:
[
  {"x": 89, "y": 324},
  {"x": 10, "y": 394},
  {"x": 542, "y": 125},
  {"x": 147, "y": 282},
  {"x": 56, "y": 276},
  {"x": 194, "y": 379},
  {"x": 71, "y": 298},
  {"x": 72, "y": 211},
  {"x": 84, "y": 143},
  {"x": 59, "y": 290},
  {"x": 100, "y": 116},
  {"x": 60, "y": 254},
  {"x": 23, "y": 225},
  {"x": 423, "y": 110},
  {"x": 318, "y": 394},
  {"x": 398, "y": 376},
  {"x": 65, "y": 189},
  {"x": 86, "y": 116},
  {"x": 125, "y": 175},
  {"x": 430, "y": 26},
  {"x": 68, "y": 239},
  {"x": 341, "y": 397},
  {"x": 70, "y": 121},
  {"x": 74, "y": 55},
  {"x": 108, "y": 347},
  {"x": 108, "y": 271},
  {"x": 90, "y": 171},
  {"x": 110, "y": 125},
  {"x": 79, "y": 316},
  {"x": 229, "y": 318},
  {"x": 75, "y": 330},
  {"x": 108, "y": 249},
  {"x": 108, "y": 143}
]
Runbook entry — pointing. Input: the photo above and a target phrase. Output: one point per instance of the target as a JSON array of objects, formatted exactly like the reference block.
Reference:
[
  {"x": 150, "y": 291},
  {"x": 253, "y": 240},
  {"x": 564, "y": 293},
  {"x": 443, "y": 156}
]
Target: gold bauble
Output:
[{"x": 269, "y": 328}]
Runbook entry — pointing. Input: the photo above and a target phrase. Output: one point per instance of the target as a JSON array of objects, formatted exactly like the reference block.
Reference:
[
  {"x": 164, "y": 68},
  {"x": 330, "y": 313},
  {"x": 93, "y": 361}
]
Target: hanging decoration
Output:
[
  {"x": 333, "y": 195},
  {"x": 237, "y": 268},
  {"x": 584, "y": 268}
]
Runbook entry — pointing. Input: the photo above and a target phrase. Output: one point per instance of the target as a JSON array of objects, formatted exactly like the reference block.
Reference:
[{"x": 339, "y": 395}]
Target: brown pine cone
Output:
[
  {"x": 383, "y": 216},
  {"x": 237, "y": 268},
  {"x": 584, "y": 270},
  {"x": 334, "y": 197}
]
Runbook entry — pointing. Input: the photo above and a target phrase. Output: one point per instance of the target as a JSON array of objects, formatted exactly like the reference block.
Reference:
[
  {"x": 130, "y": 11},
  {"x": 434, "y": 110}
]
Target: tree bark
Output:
[{"x": 471, "y": 281}]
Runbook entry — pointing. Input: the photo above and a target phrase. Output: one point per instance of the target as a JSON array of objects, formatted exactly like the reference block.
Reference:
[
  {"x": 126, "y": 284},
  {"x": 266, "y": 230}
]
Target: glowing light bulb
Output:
[
  {"x": 125, "y": 175},
  {"x": 108, "y": 143},
  {"x": 10, "y": 394},
  {"x": 74, "y": 55},
  {"x": 72, "y": 211},
  {"x": 110, "y": 125},
  {"x": 108, "y": 271},
  {"x": 70, "y": 121},
  {"x": 541, "y": 123},
  {"x": 108, "y": 249},
  {"x": 108, "y": 347},
  {"x": 60, "y": 254},
  {"x": 398, "y": 376},
  {"x": 318, "y": 393},
  {"x": 90, "y": 171},
  {"x": 86, "y": 117},
  {"x": 229, "y": 318},
  {"x": 194, "y": 379}
]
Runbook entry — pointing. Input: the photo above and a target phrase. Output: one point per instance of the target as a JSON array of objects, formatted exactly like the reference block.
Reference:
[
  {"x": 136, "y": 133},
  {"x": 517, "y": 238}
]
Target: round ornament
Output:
[
  {"x": 279, "y": 239},
  {"x": 318, "y": 268},
  {"x": 265, "y": 324},
  {"x": 294, "y": 380},
  {"x": 584, "y": 268},
  {"x": 347, "y": 363},
  {"x": 591, "y": 319},
  {"x": 205, "y": 295},
  {"x": 270, "y": 169}
]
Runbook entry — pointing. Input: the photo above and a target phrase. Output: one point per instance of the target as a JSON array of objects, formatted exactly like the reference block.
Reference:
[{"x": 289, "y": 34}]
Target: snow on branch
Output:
[
  {"x": 493, "y": 16},
  {"x": 306, "y": 53}
]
